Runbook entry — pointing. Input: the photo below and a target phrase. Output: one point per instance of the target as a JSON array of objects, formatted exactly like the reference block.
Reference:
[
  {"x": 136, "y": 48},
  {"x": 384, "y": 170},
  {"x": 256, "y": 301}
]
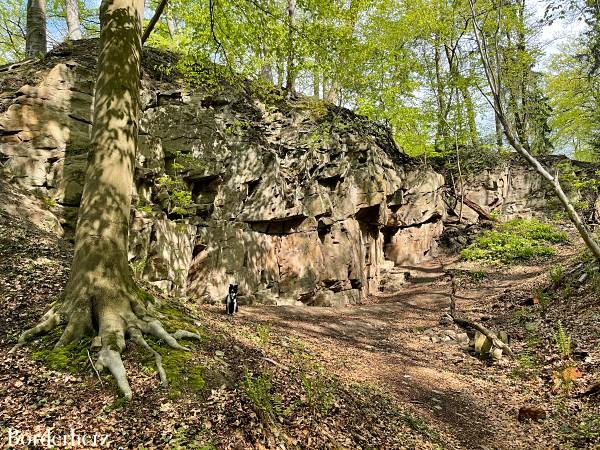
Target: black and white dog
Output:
[{"x": 231, "y": 305}]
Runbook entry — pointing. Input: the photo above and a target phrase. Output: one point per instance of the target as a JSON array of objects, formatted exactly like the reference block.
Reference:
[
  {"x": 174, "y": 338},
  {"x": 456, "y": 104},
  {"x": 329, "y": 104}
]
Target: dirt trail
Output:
[{"x": 388, "y": 343}]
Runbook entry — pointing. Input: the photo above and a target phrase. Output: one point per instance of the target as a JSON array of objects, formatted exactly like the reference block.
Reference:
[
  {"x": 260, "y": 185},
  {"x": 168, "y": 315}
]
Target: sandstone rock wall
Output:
[
  {"x": 514, "y": 189},
  {"x": 295, "y": 200}
]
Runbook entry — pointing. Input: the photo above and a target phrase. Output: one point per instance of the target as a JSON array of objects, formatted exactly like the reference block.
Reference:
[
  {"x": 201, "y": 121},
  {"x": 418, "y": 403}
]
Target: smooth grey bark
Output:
[
  {"x": 73, "y": 24},
  {"x": 266, "y": 73},
  {"x": 170, "y": 25},
  {"x": 35, "y": 40},
  {"x": 101, "y": 297}
]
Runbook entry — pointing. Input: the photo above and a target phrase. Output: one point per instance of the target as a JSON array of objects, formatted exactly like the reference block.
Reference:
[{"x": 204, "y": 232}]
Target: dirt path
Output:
[{"x": 392, "y": 343}]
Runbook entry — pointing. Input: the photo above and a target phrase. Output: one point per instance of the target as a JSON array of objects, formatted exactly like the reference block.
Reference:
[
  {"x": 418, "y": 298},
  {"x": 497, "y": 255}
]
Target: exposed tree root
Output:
[
  {"x": 49, "y": 321},
  {"x": 115, "y": 324}
]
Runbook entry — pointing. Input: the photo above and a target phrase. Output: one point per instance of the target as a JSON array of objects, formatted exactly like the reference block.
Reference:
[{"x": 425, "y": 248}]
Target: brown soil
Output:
[{"x": 472, "y": 403}]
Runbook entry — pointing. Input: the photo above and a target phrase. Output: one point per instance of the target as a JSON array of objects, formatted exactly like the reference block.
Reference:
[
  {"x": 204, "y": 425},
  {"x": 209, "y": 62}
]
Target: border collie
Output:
[{"x": 231, "y": 305}]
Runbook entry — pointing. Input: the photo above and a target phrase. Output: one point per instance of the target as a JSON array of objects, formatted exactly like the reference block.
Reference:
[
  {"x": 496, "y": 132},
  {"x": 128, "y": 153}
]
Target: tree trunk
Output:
[
  {"x": 333, "y": 92},
  {"x": 471, "y": 119},
  {"x": 316, "y": 79},
  {"x": 266, "y": 69},
  {"x": 441, "y": 137},
  {"x": 266, "y": 73},
  {"x": 101, "y": 297},
  {"x": 290, "y": 80},
  {"x": 35, "y": 42},
  {"x": 73, "y": 25},
  {"x": 170, "y": 24},
  {"x": 461, "y": 84},
  {"x": 499, "y": 140}
]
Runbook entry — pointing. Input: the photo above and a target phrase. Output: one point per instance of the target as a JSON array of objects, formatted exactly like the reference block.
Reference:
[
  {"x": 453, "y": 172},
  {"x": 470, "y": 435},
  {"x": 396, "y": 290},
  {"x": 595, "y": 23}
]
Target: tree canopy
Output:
[{"x": 410, "y": 64}]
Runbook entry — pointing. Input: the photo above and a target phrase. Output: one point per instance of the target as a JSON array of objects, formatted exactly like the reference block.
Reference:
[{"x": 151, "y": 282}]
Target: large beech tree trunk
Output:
[
  {"x": 101, "y": 297},
  {"x": 35, "y": 40},
  {"x": 73, "y": 25}
]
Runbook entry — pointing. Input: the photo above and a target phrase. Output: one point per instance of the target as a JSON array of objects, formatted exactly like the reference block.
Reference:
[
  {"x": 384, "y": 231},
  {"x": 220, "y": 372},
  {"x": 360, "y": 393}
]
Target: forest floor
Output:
[
  {"x": 406, "y": 344},
  {"x": 392, "y": 373}
]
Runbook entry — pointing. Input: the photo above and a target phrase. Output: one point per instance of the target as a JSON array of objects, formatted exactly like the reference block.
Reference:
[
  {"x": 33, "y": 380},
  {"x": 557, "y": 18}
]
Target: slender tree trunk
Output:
[
  {"x": 461, "y": 84},
  {"x": 513, "y": 138},
  {"x": 101, "y": 297},
  {"x": 471, "y": 119},
  {"x": 316, "y": 79},
  {"x": 35, "y": 42},
  {"x": 521, "y": 114},
  {"x": 498, "y": 67},
  {"x": 170, "y": 23},
  {"x": 266, "y": 70},
  {"x": 266, "y": 73},
  {"x": 441, "y": 138},
  {"x": 290, "y": 81},
  {"x": 333, "y": 92},
  {"x": 73, "y": 25},
  {"x": 280, "y": 71},
  {"x": 499, "y": 140}
]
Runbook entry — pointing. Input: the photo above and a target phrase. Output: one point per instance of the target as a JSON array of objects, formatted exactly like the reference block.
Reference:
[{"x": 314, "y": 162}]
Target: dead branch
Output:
[
  {"x": 482, "y": 213},
  {"x": 159, "y": 10},
  {"x": 465, "y": 323}
]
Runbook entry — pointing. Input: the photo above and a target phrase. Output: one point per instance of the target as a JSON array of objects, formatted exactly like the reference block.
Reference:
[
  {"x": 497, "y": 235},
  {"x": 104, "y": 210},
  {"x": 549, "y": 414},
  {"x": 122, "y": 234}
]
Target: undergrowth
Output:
[
  {"x": 515, "y": 240},
  {"x": 258, "y": 389}
]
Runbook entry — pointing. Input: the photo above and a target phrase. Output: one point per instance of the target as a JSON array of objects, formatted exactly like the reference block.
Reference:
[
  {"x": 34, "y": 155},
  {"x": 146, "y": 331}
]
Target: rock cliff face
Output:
[
  {"x": 513, "y": 189},
  {"x": 295, "y": 200}
]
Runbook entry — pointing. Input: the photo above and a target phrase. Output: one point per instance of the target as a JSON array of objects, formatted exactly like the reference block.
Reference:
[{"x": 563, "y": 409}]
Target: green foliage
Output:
[
  {"x": 585, "y": 430},
  {"x": 514, "y": 240},
  {"x": 575, "y": 100},
  {"x": 556, "y": 275},
  {"x": 184, "y": 161},
  {"x": 319, "y": 391},
  {"x": 12, "y": 39},
  {"x": 478, "y": 275},
  {"x": 180, "y": 441},
  {"x": 49, "y": 202},
  {"x": 562, "y": 340},
  {"x": 258, "y": 390},
  {"x": 264, "y": 334},
  {"x": 180, "y": 201},
  {"x": 179, "y": 197},
  {"x": 543, "y": 297},
  {"x": 137, "y": 267},
  {"x": 571, "y": 181},
  {"x": 527, "y": 366},
  {"x": 595, "y": 282},
  {"x": 145, "y": 209}
]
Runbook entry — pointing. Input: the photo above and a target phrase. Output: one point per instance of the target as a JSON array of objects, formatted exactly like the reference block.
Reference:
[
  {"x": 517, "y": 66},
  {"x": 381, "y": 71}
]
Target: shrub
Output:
[
  {"x": 515, "y": 240},
  {"x": 562, "y": 340},
  {"x": 258, "y": 390}
]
